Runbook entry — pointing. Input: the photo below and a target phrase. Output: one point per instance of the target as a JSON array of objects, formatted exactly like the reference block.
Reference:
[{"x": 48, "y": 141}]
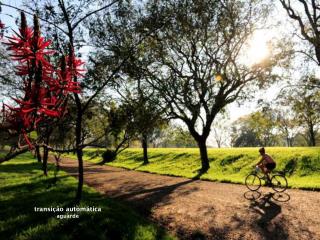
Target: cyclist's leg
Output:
[
  {"x": 269, "y": 168},
  {"x": 261, "y": 166},
  {"x": 265, "y": 171},
  {"x": 267, "y": 174}
]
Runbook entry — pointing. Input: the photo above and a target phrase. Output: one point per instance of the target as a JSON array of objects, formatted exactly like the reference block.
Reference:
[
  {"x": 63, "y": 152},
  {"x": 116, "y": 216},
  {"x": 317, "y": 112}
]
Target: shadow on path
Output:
[
  {"x": 147, "y": 198},
  {"x": 194, "y": 209},
  {"x": 144, "y": 195},
  {"x": 277, "y": 196},
  {"x": 268, "y": 225}
]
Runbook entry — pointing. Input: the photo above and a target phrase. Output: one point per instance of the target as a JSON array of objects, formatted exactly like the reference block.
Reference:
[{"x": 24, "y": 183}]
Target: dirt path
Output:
[{"x": 194, "y": 209}]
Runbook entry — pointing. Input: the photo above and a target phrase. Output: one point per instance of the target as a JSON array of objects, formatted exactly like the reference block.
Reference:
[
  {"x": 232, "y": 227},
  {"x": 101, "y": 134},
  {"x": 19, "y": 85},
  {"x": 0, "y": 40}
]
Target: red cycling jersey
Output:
[{"x": 267, "y": 159}]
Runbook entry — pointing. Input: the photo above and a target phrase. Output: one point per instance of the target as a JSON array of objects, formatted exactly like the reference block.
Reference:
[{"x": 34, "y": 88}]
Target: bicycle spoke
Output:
[
  {"x": 279, "y": 183},
  {"x": 253, "y": 182}
]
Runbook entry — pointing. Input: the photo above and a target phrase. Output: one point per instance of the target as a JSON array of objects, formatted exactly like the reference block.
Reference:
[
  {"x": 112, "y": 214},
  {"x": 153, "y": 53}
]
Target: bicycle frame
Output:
[{"x": 257, "y": 172}]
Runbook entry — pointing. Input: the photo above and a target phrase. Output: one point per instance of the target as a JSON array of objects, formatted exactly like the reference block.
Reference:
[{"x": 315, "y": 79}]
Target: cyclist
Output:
[{"x": 266, "y": 164}]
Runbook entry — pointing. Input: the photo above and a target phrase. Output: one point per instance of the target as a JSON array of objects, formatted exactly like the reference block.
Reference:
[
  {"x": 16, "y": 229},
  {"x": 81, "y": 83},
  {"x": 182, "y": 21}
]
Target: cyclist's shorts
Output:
[{"x": 270, "y": 166}]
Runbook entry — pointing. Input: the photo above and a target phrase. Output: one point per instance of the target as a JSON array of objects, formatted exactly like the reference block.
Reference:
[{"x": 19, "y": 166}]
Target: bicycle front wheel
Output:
[
  {"x": 253, "y": 182},
  {"x": 279, "y": 183}
]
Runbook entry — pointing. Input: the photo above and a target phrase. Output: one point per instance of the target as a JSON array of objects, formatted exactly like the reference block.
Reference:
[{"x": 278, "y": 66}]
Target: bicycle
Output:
[{"x": 278, "y": 181}]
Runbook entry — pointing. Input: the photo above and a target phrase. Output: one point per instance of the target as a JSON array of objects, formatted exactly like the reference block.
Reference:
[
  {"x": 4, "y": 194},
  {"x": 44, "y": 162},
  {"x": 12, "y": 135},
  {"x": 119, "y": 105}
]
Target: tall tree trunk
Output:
[
  {"x": 80, "y": 175},
  {"x": 46, "y": 152},
  {"x": 79, "y": 153},
  {"x": 287, "y": 140},
  {"x": 38, "y": 155},
  {"x": 145, "y": 150},
  {"x": 203, "y": 154},
  {"x": 57, "y": 159},
  {"x": 312, "y": 135},
  {"x": 45, "y": 160},
  {"x": 201, "y": 141}
]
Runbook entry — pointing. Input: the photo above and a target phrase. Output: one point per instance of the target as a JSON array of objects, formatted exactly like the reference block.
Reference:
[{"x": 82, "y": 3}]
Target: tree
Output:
[
  {"x": 255, "y": 129},
  {"x": 244, "y": 137},
  {"x": 300, "y": 140},
  {"x": 306, "y": 107},
  {"x": 114, "y": 38},
  {"x": 8, "y": 80},
  {"x": 177, "y": 137},
  {"x": 194, "y": 61},
  {"x": 119, "y": 129},
  {"x": 304, "y": 101},
  {"x": 220, "y": 130},
  {"x": 264, "y": 125},
  {"x": 8, "y": 139},
  {"x": 45, "y": 86},
  {"x": 286, "y": 124},
  {"x": 60, "y": 137},
  {"x": 147, "y": 115},
  {"x": 306, "y": 14},
  {"x": 67, "y": 22},
  {"x": 146, "y": 120},
  {"x": 64, "y": 21}
]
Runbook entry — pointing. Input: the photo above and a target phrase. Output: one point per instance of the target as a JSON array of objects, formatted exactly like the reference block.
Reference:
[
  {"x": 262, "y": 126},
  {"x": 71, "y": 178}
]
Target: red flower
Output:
[
  {"x": 75, "y": 66},
  {"x": 2, "y": 26},
  {"x": 45, "y": 87}
]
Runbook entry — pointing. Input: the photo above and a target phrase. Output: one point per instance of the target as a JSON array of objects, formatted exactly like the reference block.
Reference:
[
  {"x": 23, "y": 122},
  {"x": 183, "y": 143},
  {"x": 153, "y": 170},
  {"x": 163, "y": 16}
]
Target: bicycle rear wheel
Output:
[
  {"x": 279, "y": 183},
  {"x": 253, "y": 182}
]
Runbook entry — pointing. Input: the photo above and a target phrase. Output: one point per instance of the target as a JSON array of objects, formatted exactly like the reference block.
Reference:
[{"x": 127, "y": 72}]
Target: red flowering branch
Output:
[
  {"x": 45, "y": 87},
  {"x": 2, "y": 27}
]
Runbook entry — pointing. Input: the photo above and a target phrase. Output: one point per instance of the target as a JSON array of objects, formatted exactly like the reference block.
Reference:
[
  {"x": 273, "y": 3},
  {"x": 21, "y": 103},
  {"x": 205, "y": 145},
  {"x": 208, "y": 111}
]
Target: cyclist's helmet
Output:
[{"x": 262, "y": 150}]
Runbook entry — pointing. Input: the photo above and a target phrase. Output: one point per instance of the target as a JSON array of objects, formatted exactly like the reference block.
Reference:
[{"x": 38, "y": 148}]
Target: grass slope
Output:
[
  {"x": 24, "y": 187},
  {"x": 302, "y": 164}
]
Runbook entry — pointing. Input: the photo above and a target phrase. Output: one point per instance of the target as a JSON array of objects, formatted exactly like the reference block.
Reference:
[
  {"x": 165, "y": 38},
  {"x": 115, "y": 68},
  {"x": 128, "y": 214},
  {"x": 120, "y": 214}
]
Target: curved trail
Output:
[{"x": 195, "y": 209}]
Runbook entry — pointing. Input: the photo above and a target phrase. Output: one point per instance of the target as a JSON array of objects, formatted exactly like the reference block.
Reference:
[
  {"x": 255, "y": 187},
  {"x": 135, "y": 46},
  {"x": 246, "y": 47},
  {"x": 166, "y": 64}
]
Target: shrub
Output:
[
  {"x": 230, "y": 159},
  {"x": 108, "y": 156}
]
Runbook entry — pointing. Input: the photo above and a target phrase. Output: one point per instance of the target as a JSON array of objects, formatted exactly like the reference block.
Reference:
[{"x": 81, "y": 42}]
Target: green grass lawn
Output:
[
  {"x": 302, "y": 164},
  {"x": 24, "y": 187}
]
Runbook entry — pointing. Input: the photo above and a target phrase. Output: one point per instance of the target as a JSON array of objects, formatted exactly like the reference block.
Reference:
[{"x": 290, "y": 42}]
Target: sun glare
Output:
[{"x": 258, "y": 49}]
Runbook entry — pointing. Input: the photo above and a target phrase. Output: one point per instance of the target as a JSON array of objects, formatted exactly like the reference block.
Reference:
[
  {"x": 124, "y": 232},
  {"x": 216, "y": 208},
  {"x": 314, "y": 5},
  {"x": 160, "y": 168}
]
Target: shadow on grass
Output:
[
  {"x": 230, "y": 159},
  {"x": 159, "y": 157},
  {"x": 21, "y": 167},
  {"x": 181, "y": 155},
  {"x": 139, "y": 166},
  {"x": 25, "y": 191}
]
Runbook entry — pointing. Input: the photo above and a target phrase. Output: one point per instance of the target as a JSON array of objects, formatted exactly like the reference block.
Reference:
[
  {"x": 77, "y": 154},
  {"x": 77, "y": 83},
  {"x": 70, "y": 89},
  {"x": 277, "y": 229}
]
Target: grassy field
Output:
[
  {"x": 24, "y": 187},
  {"x": 302, "y": 164}
]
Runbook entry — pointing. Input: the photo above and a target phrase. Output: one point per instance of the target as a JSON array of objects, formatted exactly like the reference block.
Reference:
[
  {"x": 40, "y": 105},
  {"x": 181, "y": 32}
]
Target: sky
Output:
[
  {"x": 257, "y": 51},
  {"x": 9, "y": 15},
  {"x": 284, "y": 26}
]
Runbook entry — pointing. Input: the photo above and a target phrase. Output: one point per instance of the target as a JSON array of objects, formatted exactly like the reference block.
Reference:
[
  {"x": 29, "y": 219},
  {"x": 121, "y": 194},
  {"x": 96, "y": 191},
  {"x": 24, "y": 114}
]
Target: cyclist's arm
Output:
[{"x": 259, "y": 162}]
